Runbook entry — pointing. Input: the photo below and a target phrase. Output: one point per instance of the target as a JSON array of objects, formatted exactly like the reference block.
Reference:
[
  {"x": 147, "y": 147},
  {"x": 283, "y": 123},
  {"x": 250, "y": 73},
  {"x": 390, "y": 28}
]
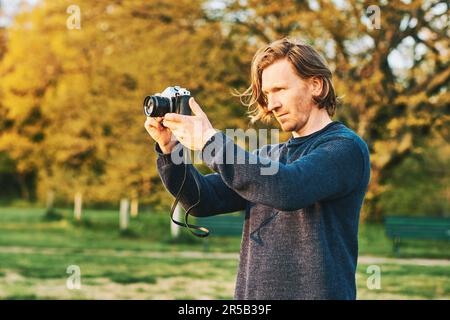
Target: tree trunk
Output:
[{"x": 24, "y": 192}]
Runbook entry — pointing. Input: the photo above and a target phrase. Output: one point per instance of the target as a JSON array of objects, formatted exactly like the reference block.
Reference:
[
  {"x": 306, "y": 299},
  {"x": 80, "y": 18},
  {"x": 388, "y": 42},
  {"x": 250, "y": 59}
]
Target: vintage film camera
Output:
[{"x": 171, "y": 100}]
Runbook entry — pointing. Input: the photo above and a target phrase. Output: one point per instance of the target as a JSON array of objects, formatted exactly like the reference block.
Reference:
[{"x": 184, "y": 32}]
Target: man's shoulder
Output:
[
  {"x": 337, "y": 133},
  {"x": 341, "y": 134}
]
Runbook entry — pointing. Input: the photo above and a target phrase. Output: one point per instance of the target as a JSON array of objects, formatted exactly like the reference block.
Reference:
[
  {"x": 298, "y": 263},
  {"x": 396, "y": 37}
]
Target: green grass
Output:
[
  {"x": 196, "y": 278},
  {"x": 125, "y": 278},
  {"x": 35, "y": 253},
  {"x": 100, "y": 229},
  {"x": 21, "y": 297},
  {"x": 405, "y": 282},
  {"x": 128, "y": 276},
  {"x": 150, "y": 231}
]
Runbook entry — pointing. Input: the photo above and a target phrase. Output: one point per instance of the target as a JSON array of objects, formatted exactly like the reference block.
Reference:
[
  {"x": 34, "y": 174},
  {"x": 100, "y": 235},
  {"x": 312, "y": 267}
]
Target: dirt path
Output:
[
  {"x": 201, "y": 255},
  {"x": 420, "y": 262}
]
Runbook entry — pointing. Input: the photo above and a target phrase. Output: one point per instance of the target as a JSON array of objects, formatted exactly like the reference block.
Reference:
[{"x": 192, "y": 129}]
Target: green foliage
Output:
[
  {"x": 419, "y": 184},
  {"x": 391, "y": 107},
  {"x": 70, "y": 100},
  {"x": 75, "y": 105},
  {"x": 52, "y": 214},
  {"x": 416, "y": 189}
]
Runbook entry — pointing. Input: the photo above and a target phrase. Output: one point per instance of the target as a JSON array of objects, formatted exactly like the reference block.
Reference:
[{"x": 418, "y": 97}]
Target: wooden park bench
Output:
[
  {"x": 433, "y": 228},
  {"x": 222, "y": 225}
]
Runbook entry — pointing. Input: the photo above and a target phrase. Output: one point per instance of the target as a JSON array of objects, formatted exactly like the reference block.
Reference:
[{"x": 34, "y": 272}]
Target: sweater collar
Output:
[{"x": 300, "y": 140}]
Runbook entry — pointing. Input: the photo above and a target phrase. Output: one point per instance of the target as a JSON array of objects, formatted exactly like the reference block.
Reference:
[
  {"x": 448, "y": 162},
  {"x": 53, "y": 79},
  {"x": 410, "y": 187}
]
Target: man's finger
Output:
[
  {"x": 151, "y": 122},
  {"x": 174, "y": 117},
  {"x": 195, "y": 107},
  {"x": 171, "y": 124}
]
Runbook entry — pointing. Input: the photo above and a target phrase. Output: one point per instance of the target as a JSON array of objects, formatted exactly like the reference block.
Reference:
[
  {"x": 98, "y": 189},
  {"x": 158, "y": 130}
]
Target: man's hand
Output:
[
  {"x": 163, "y": 136},
  {"x": 192, "y": 131}
]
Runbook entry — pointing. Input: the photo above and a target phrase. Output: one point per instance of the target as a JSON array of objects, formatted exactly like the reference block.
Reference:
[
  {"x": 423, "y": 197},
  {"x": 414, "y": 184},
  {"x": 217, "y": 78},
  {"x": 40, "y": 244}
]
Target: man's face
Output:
[{"x": 289, "y": 97}]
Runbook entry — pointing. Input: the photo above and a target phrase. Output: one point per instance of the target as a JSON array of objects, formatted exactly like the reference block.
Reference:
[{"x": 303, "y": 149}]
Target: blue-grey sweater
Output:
[{"x": 300, "y": 236}]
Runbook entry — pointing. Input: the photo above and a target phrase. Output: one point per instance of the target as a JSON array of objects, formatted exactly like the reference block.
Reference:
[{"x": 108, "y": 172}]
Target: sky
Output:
[{"x": 9, "y": 7}]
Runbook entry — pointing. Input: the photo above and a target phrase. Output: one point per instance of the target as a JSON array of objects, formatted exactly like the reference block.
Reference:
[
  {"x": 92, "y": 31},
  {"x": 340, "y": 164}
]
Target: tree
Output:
[
  {"x": 70, "y": 100},
  {"x": 86, "y": 88},
  {"x": 391, "y": 108}
]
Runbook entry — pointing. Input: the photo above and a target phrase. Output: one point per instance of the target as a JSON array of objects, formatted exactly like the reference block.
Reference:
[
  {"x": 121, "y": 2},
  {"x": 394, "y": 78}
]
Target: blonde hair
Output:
[{"x": 307, "y": 63}]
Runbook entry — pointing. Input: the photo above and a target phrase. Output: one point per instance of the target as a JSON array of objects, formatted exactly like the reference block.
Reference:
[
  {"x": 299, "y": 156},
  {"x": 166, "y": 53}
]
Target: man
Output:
[{"x": 300, "y": 237}]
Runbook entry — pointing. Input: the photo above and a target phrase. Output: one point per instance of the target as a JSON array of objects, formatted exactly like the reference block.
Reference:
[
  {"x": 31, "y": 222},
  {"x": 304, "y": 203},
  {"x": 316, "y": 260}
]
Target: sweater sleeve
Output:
[
  {"x": 333, "y": 169},
  {"x": 215, "y": 197}
]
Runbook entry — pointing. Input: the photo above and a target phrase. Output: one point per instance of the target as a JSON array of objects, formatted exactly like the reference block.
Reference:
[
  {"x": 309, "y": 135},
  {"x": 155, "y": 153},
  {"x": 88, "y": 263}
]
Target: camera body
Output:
[{"x": 171, "y": 100}]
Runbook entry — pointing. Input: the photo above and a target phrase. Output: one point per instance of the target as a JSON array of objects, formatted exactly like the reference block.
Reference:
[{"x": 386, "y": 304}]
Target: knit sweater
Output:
[{"x": 300, "y": 233}]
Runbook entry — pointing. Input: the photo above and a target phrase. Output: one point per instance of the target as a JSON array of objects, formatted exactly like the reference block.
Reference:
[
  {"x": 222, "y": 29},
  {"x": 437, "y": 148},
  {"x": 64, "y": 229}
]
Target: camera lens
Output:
[
  {"x": 148, "y": 106},
  {"x": 156, "y": 106}
]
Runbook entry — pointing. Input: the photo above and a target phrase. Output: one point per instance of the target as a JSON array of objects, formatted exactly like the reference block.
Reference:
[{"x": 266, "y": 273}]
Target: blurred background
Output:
[{"x": 78, "y": 181}]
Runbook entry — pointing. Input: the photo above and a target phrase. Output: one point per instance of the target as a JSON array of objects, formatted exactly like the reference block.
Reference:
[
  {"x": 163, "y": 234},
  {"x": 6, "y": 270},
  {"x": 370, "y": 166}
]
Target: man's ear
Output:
[{"x": 316, "y": 84}]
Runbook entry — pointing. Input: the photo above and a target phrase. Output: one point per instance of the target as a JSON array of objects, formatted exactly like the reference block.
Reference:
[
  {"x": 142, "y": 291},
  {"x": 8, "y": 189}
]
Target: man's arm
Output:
[
  {"x": 333, "y": 169},
  {"x": 215, "y": 196}
]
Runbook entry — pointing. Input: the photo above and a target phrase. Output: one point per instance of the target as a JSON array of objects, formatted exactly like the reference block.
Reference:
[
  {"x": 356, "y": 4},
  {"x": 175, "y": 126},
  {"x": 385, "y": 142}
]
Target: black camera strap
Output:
[{"x": 204, "y": 231}]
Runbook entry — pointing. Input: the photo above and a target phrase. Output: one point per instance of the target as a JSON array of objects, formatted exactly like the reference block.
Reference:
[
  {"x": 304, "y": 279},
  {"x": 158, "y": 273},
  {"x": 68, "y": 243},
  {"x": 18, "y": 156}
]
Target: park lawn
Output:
[
  {"x": 150, "y": 231},
  {"x": 35, "y": 254},
  {"x": 99, "y": 229},
  {"x": 108, "y": 276},
  {"x": 44, "y": 276},
  {"x": 406, "y": 282}
]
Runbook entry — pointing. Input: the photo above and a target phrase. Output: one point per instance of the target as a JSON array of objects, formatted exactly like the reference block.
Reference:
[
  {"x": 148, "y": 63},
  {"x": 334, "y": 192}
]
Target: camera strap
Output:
[{"x": 204, "y": 231}]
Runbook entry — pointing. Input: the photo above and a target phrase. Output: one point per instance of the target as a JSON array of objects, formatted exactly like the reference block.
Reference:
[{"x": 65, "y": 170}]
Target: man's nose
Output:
[{"x": 273, "y": 104}]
